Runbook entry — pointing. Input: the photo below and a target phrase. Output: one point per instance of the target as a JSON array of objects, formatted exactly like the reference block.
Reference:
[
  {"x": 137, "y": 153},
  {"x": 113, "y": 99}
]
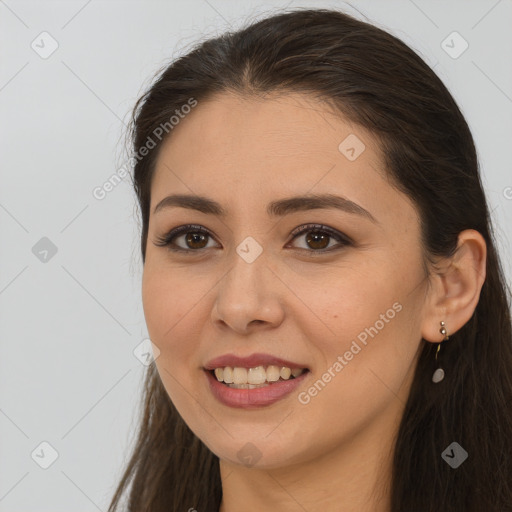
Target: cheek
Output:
[
  {"x": 339, "y": 305},
  {"x": 169, "y": 307},
  {"x": 363, "y": 369},
  {"x": 366, "y": 316},
  {"x": 170, "y": 304}
]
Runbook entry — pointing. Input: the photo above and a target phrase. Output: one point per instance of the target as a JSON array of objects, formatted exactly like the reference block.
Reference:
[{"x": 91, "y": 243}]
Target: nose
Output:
[{"x": 248, "y": 297}]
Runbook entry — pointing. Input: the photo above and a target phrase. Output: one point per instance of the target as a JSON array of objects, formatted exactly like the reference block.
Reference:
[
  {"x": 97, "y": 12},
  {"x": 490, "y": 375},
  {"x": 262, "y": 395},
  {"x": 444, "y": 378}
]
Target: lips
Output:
[
  {"x": 251, "y": 361},
  {"x": 253, "y": 381},
  {"x": 258, "y": 397}
]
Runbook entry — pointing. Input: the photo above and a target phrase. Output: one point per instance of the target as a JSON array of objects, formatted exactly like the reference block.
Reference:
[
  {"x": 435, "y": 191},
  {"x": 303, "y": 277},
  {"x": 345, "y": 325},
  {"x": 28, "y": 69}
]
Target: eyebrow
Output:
[{"x": 277, "y": 208}]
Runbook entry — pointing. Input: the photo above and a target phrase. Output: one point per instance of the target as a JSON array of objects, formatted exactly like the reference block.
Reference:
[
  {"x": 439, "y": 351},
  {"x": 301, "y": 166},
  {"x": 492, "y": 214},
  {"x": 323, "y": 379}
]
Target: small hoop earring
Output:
[{"x": 439, "y": 373}]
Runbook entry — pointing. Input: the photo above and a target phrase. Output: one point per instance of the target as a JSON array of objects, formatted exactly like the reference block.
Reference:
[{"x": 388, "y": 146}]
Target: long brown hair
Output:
[{"x": 376, "y": 81}]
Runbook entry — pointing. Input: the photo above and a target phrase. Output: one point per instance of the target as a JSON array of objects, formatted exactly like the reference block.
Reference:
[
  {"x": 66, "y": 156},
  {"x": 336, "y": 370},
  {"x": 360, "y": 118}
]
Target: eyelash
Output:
[{"x": 167, "y": 240}]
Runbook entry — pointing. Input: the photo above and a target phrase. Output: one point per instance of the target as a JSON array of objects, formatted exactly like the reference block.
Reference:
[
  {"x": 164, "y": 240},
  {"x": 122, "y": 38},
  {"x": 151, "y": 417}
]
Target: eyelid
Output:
[
  {"x": 320, "y": 227},
  {"x": 165, "y": 240},
  {"x": 341, "y": 238}
]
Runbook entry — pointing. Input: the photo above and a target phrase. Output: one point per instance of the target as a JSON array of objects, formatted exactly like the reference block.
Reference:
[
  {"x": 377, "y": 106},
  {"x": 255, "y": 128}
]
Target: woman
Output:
[{"x": 320, "y": 280}]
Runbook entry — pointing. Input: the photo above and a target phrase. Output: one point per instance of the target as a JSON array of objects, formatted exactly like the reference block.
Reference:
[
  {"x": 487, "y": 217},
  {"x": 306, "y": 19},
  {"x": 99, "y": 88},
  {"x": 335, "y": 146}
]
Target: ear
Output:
[{"x": 455, "y": 287}]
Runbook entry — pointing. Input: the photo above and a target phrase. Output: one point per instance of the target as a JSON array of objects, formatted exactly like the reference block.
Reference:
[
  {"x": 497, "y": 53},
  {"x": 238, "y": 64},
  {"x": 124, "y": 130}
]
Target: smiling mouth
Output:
[{"x": 257, "y": 377}]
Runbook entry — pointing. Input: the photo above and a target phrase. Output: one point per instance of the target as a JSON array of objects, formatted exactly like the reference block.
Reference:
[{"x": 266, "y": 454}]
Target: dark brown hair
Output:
[{"x": 376, "y": 81}]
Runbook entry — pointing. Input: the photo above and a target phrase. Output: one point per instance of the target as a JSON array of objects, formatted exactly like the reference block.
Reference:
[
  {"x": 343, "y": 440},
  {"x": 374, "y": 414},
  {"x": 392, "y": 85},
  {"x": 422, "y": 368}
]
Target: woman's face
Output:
[{"x": 344, "y": 302}]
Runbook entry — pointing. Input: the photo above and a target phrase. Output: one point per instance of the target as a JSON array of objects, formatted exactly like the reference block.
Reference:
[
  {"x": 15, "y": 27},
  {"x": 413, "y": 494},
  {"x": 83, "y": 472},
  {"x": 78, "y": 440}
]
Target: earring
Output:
[{"x": 439, "y": 373}]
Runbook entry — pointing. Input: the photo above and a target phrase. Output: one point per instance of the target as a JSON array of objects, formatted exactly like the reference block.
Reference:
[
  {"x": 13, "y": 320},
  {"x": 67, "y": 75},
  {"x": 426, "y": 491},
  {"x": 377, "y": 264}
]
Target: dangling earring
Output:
[{"x": 439, "y": 373}]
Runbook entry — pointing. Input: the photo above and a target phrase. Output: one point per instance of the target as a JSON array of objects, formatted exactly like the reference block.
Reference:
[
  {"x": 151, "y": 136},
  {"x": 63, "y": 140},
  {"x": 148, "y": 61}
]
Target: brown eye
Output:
[
  {"x": 317, "y": 240},
  {"x": 196, "y": 240}
]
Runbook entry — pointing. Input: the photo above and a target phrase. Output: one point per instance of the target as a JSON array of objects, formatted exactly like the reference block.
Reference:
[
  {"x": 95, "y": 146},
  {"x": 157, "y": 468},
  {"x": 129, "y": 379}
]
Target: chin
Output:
[{"x": 255, "y": 452}]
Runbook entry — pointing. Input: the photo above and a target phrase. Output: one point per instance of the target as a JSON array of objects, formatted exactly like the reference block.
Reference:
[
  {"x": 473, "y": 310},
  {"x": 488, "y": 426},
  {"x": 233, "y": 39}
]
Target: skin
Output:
[{"x": 333, "y": 453}]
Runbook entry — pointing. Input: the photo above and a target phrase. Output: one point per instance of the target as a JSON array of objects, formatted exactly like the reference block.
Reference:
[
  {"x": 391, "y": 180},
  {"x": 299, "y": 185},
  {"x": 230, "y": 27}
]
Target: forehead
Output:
[
  {"x": 286, "y": 125},
  {"x": 241, "y": 149}
]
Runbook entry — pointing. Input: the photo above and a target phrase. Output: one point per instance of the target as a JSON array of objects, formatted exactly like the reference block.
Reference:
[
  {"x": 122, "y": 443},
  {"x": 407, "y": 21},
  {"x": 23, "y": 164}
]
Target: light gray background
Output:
[{"x": 68, "y": 375}]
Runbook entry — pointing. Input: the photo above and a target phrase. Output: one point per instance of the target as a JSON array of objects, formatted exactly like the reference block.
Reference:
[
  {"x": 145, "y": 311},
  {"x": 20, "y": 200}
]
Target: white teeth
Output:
[
  {"x": 247, "y": 386},
  {"x": 255, "y": 377},
  {"x": 228, "y": 375},
  {"x": 285, "y": 373},
  {"x": 239, "y": 375},
  {"x": 272, "y": 373}
]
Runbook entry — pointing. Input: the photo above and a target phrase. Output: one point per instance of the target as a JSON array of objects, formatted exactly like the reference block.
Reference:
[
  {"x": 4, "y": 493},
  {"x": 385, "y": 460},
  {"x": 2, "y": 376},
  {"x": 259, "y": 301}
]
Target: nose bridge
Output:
[
  {"x": 245, "y": 293},
  {"x": 249, "y": 257},
  {"x": 248, "y": 266}
]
